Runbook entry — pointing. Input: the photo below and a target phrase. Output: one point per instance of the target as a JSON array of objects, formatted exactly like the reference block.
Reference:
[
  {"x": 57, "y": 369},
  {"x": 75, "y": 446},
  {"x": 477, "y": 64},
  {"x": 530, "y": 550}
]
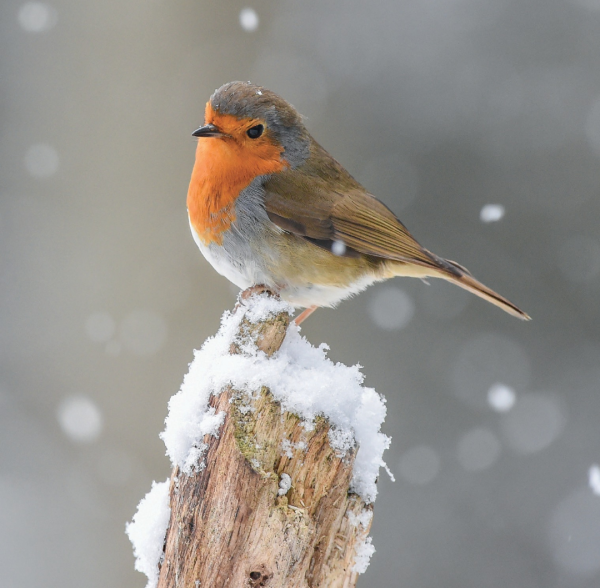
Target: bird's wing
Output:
[{"x": 322, "y": 203}]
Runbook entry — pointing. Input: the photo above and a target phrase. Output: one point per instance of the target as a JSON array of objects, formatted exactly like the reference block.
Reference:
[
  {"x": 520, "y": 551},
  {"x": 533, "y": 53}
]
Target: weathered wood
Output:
[{"x": 231, "y": 528}]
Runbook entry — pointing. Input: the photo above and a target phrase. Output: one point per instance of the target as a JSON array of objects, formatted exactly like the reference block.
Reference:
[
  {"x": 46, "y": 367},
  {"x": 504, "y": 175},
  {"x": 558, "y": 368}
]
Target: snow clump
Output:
[
  {"x": 148, "y": 529},
  {"x": 301, "y": 377}
]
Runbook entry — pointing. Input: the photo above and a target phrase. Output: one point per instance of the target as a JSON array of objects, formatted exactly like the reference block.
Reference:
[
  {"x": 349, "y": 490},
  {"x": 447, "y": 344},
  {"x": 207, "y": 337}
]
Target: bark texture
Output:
[{"x": 232, "y": 527}]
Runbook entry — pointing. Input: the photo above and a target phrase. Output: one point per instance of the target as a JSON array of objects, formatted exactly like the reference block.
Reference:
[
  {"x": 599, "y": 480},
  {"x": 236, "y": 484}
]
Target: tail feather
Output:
[
  {"x": 465, "y": 280},
  {"x": 451, "y": 271}
]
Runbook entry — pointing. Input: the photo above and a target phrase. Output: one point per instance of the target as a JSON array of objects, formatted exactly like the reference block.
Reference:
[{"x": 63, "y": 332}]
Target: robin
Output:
[{"x": 269, "y": 206}]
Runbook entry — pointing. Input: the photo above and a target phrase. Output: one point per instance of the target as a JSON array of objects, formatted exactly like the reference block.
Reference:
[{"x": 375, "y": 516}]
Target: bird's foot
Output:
[{"x": 258, "y": 289}]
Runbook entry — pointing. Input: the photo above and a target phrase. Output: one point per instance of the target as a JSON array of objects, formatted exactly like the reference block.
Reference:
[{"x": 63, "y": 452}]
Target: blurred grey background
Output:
[{"x": 477, "y": 121}]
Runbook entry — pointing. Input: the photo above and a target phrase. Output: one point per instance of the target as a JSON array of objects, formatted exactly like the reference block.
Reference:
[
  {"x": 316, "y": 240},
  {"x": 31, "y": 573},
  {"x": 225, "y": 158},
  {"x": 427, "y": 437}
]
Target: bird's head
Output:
[{"x": 254, "y": 123}]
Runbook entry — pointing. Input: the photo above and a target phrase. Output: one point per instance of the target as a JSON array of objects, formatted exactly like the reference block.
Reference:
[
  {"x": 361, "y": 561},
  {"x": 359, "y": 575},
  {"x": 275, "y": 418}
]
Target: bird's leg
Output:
[
  {"x": 257, "y": 289},
  {"x": 304, "y": 314}
]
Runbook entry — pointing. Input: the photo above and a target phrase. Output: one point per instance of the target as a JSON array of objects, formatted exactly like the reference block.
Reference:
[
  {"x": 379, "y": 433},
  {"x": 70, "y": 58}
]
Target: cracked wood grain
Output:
[{"x": 229, "y": 526}]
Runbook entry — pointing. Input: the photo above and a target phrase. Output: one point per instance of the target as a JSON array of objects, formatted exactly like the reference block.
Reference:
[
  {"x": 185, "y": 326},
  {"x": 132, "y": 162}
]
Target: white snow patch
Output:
[
  {"x": 364, "y": 548},
  {"x": 363, "y": 519},
  {"x": 288, "y": 447},
  {"x": 594, "y": 479},
  {"x": 284, "y": 484},
  {"x": 147, "y": 531},
  {"x": 364, "y": 552},
  {"x": 299, "y": 376}
]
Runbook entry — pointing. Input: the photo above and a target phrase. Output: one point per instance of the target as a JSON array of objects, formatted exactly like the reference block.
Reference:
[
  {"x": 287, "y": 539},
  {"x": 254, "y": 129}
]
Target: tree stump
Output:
[{"x": 263, "y": 513}]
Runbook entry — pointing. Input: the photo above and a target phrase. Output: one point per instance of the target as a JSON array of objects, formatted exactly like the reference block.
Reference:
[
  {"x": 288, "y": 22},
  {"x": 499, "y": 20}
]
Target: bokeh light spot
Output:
[
  {"x": 143, "y": 332},
  {"x": 534, "y": 423},
  {"x": 478, "y": 449},
  {"x": 249, "y": 19},
  {"x": 419, "y": 465},
  {"x": 80, "y": 419},
  {"x": 501, "y": 397},
  {"x": 35, "y": 17},
  {"x": 391, "y": 308},
  {"x": 491, "y": 213},
  {"x": 338, "y": 248},
  {"x": 100, "y": 327},
  {"x": 41, "y": 160},
  {"x": 594, "y": 479}
]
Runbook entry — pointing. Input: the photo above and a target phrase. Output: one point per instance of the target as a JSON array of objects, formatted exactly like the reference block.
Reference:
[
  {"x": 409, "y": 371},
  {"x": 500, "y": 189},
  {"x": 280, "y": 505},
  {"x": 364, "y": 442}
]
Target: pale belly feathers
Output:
[{"x": 255, "y": 251}]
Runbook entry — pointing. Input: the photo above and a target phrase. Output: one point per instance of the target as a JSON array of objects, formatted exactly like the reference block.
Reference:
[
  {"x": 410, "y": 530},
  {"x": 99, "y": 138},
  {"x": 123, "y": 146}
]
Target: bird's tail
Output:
[
  {"x": 459, "y": 275},
  {"x": 438, "y": 267}
]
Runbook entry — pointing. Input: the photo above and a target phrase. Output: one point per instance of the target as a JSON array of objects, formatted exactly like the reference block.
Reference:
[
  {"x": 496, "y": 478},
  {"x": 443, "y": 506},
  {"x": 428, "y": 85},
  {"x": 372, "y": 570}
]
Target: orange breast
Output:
[{"x": 223, "y": 168}]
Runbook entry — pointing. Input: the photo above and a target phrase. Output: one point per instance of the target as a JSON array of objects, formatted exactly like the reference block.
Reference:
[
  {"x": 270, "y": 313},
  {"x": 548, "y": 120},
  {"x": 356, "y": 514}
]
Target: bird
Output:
[{"x": 270, "y": 208}]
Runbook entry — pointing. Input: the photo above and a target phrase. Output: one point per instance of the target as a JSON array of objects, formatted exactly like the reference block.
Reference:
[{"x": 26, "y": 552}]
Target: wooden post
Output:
[{"x": 238, "y": 522}]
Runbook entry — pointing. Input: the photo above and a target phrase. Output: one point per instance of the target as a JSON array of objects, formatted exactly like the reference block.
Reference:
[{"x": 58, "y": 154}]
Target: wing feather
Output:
[{"x": 321, "y": 201}]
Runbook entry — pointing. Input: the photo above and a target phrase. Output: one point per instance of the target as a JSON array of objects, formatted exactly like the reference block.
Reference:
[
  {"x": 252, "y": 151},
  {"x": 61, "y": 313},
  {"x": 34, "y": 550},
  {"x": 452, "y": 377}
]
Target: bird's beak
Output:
[{"x": 208, "y": 131}]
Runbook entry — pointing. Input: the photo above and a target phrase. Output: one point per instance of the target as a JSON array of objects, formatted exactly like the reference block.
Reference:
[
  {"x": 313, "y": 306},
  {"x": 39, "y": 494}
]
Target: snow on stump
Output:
[{"x": 276, "y": 453}]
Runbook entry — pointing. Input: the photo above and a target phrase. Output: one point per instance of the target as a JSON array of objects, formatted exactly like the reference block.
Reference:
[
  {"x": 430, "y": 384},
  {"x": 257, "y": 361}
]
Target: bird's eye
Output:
[{"x": 255, "y": 132}]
